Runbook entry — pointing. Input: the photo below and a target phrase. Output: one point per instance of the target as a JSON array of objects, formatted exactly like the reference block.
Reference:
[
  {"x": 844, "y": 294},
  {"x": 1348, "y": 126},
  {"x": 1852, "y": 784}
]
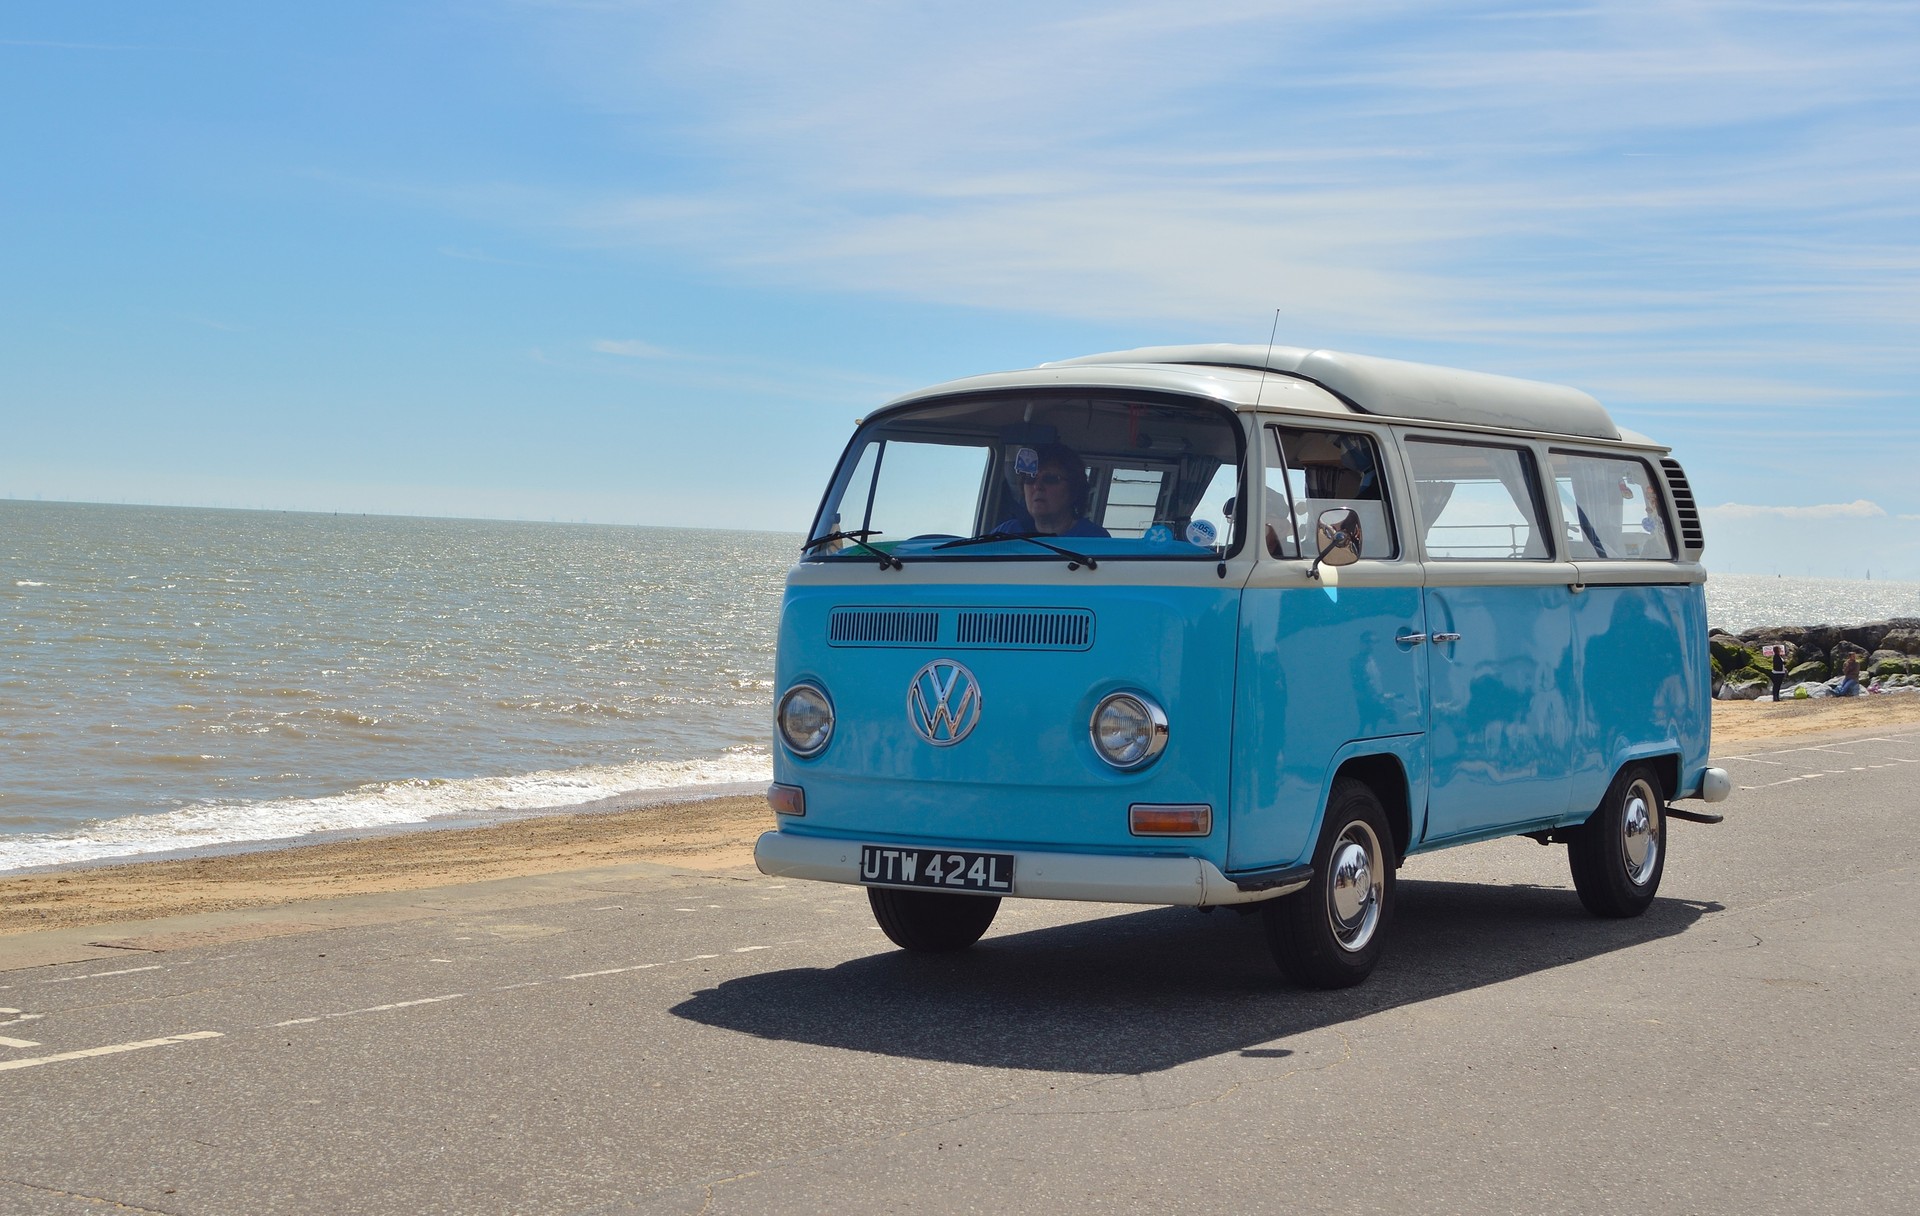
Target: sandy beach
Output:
[{"x": 711, "y": 834}]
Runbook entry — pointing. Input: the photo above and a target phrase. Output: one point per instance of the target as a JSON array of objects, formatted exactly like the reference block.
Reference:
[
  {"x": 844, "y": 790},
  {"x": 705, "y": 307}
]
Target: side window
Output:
[
  {"x": 1477, "y": 503},
  {"x": 1310, "y": 471},
  {"x": 1132, "y": 500},
  {"x": 1612, "y": 508}
]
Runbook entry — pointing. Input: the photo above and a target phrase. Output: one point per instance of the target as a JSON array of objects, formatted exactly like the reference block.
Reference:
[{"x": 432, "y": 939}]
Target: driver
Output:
[{"x": 1056, "y": 495}]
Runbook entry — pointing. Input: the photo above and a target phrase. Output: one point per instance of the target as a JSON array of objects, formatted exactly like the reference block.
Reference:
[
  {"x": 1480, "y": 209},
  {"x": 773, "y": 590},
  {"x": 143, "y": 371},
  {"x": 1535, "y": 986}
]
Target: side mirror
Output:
[{"x": 1338, "y": 535}]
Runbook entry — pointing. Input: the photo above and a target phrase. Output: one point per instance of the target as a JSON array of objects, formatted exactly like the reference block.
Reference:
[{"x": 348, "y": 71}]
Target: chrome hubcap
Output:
[
  {"x": 1640, "y": 833},
  {"x": 1355, "y": 884}
]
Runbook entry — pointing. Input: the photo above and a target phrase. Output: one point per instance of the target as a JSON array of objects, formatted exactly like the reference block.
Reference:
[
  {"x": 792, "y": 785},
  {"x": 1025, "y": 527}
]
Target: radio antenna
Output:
[{"x": 1266, "y": 365}]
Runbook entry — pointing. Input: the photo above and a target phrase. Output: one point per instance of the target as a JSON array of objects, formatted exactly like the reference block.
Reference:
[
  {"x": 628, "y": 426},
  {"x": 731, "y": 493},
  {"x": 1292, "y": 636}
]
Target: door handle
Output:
[
  {"x": 1411, "y": 639},
  {"x": 1446, "y": 637}
]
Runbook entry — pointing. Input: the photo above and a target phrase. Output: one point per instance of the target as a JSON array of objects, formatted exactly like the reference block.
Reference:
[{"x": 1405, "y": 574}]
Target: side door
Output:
[
  {"x": 1638, "y": 625},
  {"x": 1321, "y": 665},
  {"x": 1502, "y": 695}
]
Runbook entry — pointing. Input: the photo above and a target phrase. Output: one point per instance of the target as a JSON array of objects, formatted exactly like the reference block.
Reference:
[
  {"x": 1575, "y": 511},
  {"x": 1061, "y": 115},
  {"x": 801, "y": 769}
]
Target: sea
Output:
[{"x": 185, "y": 680}]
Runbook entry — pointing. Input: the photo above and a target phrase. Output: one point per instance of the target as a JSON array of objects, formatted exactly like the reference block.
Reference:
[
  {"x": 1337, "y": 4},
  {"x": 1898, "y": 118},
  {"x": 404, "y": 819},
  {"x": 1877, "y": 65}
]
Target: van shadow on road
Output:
[{"x": 1150, "y": 990}]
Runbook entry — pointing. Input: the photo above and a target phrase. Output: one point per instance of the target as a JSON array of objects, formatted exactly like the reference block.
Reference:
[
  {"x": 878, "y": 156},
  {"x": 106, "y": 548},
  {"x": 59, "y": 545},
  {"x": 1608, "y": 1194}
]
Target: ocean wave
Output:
[{"x": 385, "y": 804}]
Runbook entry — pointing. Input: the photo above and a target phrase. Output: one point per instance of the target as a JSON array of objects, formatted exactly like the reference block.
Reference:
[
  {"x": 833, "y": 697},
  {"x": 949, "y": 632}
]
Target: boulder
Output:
[
  {"x": 1730, "y": 656},
  {"x": 1820, "y": 637},
  {"x": 1906, "y": 641},
  {"x": 1888, "y": 663},
  {"x": 1867, "y": 637},
  {"x": 1811, "y": 670}
]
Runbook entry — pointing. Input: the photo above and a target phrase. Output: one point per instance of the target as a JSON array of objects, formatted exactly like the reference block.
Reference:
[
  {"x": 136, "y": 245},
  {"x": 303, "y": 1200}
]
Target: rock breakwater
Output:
[{"x": 1888, "y": 653}]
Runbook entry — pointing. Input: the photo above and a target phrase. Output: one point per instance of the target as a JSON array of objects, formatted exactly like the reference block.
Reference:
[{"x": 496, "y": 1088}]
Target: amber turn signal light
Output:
[
  {"x": 787, "y": 799},
  {"x": 1179, "y": 819}
]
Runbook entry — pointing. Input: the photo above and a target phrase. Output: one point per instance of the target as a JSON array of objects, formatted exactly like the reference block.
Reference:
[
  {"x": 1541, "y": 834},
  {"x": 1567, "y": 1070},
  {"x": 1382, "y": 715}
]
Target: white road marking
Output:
[
  {"x": 110, "y": 1050},
  {"x": 587, "y": 975},
  {"x": 7, "y": 1042},
  {"x": 425, "y": 1000},
  {"x": 611, "y": 908},
  {"x": 99, "y": 975},
  {"x": 749, "y": 949}
]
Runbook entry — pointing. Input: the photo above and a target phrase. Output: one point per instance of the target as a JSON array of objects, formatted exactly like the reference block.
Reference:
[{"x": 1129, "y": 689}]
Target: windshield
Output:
[{"x": 1112, "y": 475}]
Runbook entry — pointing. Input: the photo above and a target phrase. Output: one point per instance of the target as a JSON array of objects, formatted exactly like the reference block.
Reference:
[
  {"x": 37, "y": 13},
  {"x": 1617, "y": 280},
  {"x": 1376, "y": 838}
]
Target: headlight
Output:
[
  {"x": 805, "y": 718},
  {"x": 1129, "y": 730}
]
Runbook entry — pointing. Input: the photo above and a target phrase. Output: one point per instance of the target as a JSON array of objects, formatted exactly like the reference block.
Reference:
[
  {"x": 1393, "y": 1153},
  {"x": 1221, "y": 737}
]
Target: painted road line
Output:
[
  {"x": 100, "y": 975},
  {"x": 7, "y": 1042},
  {"x": 587, "y": 975},
  {"x": 425, "y": 1000},
  {"x": 110, "y": 1050}
]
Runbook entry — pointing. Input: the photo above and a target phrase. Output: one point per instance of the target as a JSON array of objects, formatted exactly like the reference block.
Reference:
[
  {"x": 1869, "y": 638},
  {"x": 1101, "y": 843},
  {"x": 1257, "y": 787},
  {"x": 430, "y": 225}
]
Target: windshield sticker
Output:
[
  {"x": 1158, "y": 534},
  {"x": 1202, "y": 532},
  {"x": 1026, "y": 463}
]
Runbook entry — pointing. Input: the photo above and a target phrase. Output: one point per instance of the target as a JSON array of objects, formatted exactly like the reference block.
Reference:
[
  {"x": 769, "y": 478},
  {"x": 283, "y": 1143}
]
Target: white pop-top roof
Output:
[{"x": 1395, "y": 388}]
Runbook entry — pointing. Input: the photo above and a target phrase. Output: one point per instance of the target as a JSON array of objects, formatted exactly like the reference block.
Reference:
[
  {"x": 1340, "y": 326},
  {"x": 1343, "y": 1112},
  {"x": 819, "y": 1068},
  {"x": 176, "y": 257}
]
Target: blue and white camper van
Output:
[{"x": 1237, "y": 625}]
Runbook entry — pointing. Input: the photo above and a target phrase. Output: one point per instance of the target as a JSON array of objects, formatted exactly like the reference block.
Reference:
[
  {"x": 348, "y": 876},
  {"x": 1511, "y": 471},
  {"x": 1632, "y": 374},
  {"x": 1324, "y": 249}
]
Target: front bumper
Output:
[{"x": 1187, "y": 882}]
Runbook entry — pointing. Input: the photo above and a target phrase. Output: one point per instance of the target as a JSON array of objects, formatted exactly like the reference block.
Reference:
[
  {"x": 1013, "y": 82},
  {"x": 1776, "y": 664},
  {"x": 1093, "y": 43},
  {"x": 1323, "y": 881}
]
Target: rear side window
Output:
[
  {"x": 1477, "y": 502},
  {"x": 1313, "y": 470},
  {"x": 1612, "y": 508}
]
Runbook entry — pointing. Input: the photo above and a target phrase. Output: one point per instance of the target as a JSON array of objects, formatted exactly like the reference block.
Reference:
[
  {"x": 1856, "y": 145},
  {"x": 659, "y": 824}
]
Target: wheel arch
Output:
[
  {"x": 1665, "y": 759},
  {"x": 1386, "y": 776}
]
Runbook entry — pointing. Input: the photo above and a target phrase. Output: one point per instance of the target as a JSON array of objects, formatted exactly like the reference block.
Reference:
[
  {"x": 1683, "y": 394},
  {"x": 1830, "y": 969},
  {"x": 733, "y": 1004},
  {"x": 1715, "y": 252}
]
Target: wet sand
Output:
[{"x": 713, "y": 834}]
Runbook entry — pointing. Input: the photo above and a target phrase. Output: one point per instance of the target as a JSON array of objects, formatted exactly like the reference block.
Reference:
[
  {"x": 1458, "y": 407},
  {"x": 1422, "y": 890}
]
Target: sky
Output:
[{"x": 646, "y": 262}]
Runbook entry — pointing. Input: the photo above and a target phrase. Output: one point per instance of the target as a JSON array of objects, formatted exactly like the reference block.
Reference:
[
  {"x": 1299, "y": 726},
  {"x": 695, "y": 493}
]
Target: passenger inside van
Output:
[{"x": 1325, "y": 470}]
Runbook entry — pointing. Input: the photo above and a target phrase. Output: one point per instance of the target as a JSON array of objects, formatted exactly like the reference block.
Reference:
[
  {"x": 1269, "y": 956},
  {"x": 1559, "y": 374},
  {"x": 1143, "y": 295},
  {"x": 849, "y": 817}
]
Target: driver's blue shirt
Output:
[{"x": 1080, "y": 527}]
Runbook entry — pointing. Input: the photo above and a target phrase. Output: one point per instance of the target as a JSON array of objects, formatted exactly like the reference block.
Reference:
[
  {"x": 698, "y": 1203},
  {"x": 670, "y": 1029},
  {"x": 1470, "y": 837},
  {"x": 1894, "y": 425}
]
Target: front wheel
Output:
[
  {"x": 1618, "y": 855},
  {"x": 1328, "y": 934},
  {"x": 932, "y": 922}
]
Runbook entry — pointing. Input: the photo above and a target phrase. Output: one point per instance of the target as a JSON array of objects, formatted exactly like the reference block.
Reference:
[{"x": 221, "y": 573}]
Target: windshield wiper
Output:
[
  {"x": 887, "y": 560},
  {"x": 1075, "y": 560}
]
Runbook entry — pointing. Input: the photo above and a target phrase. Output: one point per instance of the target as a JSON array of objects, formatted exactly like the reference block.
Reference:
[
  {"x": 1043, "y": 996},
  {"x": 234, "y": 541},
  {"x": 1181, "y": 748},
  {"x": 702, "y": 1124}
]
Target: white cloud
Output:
[{"x": 1858, "y": 509}]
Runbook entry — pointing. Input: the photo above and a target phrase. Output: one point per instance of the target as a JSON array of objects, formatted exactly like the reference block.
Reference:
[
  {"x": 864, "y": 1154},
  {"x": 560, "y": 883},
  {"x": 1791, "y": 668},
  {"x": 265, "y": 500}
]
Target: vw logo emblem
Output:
[{"x": 943, "y": 702}]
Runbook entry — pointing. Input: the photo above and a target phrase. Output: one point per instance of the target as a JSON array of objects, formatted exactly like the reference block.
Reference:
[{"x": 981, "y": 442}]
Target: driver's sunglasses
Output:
[{"x": 1045, "y": 479}]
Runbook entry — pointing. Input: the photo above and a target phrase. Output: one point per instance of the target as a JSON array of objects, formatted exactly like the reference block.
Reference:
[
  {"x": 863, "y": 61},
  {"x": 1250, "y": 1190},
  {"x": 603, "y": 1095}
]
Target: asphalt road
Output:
[{"x": 643, "y": 1040}]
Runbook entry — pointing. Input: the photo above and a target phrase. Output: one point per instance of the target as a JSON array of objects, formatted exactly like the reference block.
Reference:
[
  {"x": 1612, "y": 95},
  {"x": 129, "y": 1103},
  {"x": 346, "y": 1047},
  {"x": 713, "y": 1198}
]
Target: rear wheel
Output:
[
  {"x": 1328, "y": 935},
  {"x": 1619, "y": 854},
  {"x": 932, "y": 922}
]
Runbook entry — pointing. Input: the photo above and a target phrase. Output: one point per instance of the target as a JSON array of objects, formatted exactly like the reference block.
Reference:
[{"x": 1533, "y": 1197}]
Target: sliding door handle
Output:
[{"x": 1446, "y": 637}]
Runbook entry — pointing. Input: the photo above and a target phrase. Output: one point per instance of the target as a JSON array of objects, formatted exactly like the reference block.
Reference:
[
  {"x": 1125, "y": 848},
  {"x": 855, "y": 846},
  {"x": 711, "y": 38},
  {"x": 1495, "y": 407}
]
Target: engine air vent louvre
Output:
[
  {"x": 882, "y": 627},
  {"x": 1691, "y": 536},
  {"x": 1028, "y": 628}
]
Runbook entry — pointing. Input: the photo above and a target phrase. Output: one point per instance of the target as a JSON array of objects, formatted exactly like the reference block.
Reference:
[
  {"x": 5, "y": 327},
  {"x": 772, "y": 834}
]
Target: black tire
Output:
[
  {"x": 1620, "y": 852},
  {"x": 1329, "y": 934},
  {"x": 932, "y": 922}
]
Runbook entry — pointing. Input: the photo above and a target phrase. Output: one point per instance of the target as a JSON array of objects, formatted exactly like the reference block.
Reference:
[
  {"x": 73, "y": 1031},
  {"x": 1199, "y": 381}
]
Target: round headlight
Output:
[
  {"x": 805, "y": 718},
  {"x": 1129, "y": 730}
]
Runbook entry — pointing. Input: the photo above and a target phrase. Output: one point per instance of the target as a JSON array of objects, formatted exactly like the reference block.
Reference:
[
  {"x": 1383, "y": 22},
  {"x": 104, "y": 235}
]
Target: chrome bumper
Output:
[{"x": 1187, "y": 882}]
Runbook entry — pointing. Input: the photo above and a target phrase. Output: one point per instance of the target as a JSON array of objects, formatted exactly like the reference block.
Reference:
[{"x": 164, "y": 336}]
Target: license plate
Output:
[{"x": 936, "y": 869}]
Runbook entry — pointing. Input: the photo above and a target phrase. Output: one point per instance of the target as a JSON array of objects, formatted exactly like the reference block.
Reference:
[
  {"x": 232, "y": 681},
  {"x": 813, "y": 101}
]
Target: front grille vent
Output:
[
  {"x": 1031, "y": 628},
  {"x": 1691, "y": 536},
  {"x": 882, "y": 627}
]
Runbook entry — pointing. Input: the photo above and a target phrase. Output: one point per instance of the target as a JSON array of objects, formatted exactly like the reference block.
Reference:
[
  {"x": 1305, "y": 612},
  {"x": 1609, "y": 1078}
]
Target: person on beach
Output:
[
  {"x": 1055, "y": 491},
  {"x": 1779, "y": 667},
  {"x": 1849, "y": 677}
]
